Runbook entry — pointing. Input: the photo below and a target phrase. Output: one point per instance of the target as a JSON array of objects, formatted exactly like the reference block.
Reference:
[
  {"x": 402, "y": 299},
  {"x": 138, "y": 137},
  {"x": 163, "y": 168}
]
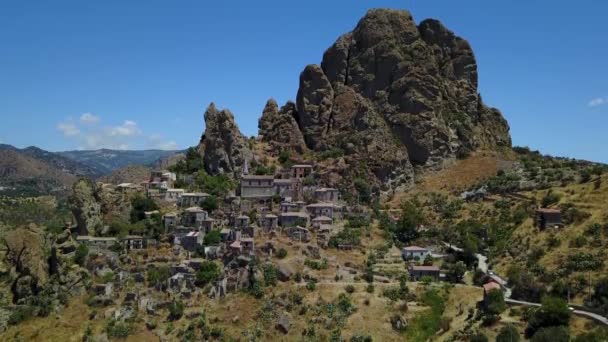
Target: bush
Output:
[
  {"x": 363, "y": 190},
  {"x": 370, "y": 288},
  {"x": 209, "y": 272},
  {"x": 311, "y": 285},
  {"x": 217, "y": 186},
  {"x": 139, "y": 205},
  {"x": 20, "y": 314},
  {"x": 210, "y": 204},
  {"x": 158, "y": 275},
  {"x": 281, "y": 253},
  {"x": 316, "y": 265},
  {"x": 550, "y": 198},
  {"x": 479, "y": 337},
  {"x": 552, "y": 334},
  {"x": 116, "y": 329},
  {"x": 349, "y": 289},
  {"x": 553, "y": 312},
  {"x": 508, "y": 334},
  {"x": 495, "y": 302},
  {"x": 270, "y": 275},
  {"x": 176, "y": 310},
  {"x": 285, "y": 158},
  {"x": 80, "y": 256}
]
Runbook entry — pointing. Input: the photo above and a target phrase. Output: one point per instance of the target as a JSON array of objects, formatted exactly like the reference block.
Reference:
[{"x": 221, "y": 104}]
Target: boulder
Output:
[
  {"x": 284, "y": 271},
  {"x": 283, "y": 323}
]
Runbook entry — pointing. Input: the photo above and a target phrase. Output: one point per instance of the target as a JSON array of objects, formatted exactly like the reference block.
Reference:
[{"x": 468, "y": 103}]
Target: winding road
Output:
[{"x": 482, "y": 261}]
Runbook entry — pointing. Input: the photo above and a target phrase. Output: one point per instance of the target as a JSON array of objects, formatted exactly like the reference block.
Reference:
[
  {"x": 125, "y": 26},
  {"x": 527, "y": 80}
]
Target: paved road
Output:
[
  {"x": 483, "y": 266},
  {"x": 587, "y": 314}
]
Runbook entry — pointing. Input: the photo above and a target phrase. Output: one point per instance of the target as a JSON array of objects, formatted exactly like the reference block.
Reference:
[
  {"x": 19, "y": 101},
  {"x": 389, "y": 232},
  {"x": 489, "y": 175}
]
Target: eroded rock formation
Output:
[{"x": 394, "y": 97}]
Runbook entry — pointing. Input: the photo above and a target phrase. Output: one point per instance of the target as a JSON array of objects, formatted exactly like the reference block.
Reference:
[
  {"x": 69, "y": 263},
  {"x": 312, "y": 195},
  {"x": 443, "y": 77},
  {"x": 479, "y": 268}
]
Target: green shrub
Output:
[
  {"x": 281, "y": 253},
  {"x": 116, "y": 329},
  {"x": 80, "y": 256},
  {"x": 209, "y": 272},
  {"x": 270, "y": 275},
  {"x": 311, "y": 285},
  {"x": 176, "y": 310},
  {"x": 214, "y": 237},
  {"x": 508, "y": 333},
  {"x": 349, "y": 289}
]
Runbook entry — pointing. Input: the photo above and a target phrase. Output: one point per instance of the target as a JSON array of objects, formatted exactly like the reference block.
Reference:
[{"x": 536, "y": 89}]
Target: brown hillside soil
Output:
[{"x": 459, "y": 176}]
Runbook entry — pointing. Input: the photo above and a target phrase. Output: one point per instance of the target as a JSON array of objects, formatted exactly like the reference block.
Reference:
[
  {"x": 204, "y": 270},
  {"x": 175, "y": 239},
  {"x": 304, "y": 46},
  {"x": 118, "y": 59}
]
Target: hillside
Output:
[
  {"x": 105, "y": 161},
  {"x": 21, "y": 174},
  {"x": 130, "y": 174},
  {"x": 56, "y": 160}
]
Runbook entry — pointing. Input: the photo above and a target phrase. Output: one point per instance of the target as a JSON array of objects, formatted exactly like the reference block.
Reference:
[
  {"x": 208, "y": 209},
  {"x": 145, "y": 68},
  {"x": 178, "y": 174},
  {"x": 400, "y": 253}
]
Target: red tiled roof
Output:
[{"x": 491, "y": 286}]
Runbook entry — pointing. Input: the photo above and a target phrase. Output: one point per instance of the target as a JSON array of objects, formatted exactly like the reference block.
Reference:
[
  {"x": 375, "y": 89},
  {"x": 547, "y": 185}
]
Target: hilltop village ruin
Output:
[{"x": 288, "y": 206}]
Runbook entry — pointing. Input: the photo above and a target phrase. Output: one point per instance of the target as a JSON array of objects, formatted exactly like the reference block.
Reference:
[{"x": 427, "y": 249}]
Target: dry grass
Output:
[{"x": 458, "y": 176}]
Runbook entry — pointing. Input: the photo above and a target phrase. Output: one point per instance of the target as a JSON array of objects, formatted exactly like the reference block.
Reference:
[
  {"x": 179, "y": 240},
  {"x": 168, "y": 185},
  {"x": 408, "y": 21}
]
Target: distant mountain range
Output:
[
  {"x": 105, "y": 161},
  {"x": 32, "y": 171}
]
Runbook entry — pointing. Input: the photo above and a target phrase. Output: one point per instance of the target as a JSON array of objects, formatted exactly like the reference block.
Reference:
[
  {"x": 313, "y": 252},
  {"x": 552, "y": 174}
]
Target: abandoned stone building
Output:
[
  {"x": 330, "y": 210},
  {"x": 301, "y": 170},
  {"x": 548, "y": 218},
  {"x": 293, "y": 218},
  {"x": 330, "y": 195},
  {"x": 259, "y": 188},
  {"x": 192, "y": 199}
]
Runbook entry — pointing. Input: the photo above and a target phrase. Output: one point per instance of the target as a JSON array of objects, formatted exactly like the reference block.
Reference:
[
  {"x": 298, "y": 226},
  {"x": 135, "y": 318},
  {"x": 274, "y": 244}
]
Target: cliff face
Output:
[
  {"x": 392, "y": 95},
  {"x": 223, "y": 147}
]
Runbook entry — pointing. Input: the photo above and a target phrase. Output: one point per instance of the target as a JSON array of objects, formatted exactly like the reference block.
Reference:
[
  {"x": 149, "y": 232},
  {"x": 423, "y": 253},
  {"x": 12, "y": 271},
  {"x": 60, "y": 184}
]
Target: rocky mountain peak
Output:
[
  {"x": 223, "y": 147},
  {"x": 393, "y": 96}
]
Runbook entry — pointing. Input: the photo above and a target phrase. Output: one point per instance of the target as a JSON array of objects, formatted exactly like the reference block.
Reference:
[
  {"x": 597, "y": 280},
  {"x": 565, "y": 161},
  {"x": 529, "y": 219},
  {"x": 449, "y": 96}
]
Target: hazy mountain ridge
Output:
[{"x": 104, "y": 161}]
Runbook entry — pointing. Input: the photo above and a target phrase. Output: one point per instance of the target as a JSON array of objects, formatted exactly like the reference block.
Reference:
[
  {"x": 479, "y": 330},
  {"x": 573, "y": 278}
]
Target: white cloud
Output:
[
  {"x": 89, "y": 118},
  {"x": 88, "y": 134},
  {"x": 598, "y": 102},
  {"x": 127, "y": 129},
  {"x": 156, "y": 141},
  {"x": 68, "y": 129}
]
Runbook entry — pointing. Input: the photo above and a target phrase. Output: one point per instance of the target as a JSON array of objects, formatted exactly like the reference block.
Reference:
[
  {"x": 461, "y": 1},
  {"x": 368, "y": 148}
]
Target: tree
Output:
[
  {"x": 411, "y": 218},
  {"x": 217, "y": 186},
  {"x": 495, "y": 302},
  {"x": 176, "y": 310},
  {"x": 139, "y": 206},
  {"x": 479, "y": 337},
  {"x": 270, "y": 274},
  {"x": 210, "y": 204},
  {"x": 363, "y": 190},
  {"x": 456, "y": 272},
  {"x": 599, "y": 299},
  {"x": 158, "y": 275},
  {"x": 508, "y": 334},
  {"x": 552, "y": 334},
  {"x": 553, "y": 312},
  {"x": 212, "y": 238},
  {"x": 81, "y": 253},
  {"x": 281, "y": 253},
  {"x": 209, "y": 272}
]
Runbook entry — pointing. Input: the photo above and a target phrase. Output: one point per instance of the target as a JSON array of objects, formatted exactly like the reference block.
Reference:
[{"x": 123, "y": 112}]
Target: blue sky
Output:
[{"x": 139, "y": 74}]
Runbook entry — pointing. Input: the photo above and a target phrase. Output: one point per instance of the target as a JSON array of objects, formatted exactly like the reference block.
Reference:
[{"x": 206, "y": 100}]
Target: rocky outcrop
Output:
[
  {"x": 85, "y": 203},
  {"x": 394, "y": 97},
  {"x": 280, "y": 128},
  {"x": 25, "y": 255},
  {"x": 93, "y": 204},
  {"x": 223, "y": 147}
]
